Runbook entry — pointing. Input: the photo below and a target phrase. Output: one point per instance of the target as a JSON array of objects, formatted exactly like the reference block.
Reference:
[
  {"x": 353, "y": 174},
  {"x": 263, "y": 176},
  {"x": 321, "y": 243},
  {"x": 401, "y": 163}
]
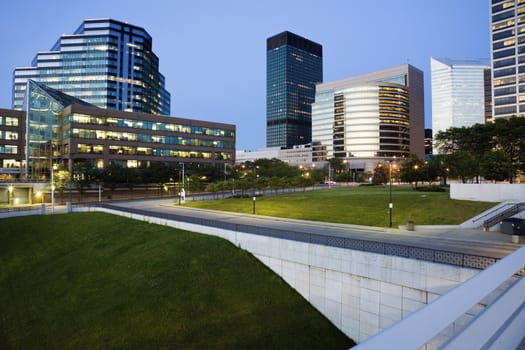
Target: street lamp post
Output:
[
  {"x": 390, "y": 204},
  {"x": 254, "y": 184},
  {"x": 329, "y": 173},
  {"x": 182, "y": 175},
  {"x": 52, "y": 182}
]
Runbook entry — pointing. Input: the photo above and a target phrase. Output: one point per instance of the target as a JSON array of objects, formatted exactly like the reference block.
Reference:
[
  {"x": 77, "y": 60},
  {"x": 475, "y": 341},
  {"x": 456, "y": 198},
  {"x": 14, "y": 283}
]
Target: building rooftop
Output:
[
  {"x": 62, "y": 98},
  {"x": 476, "y": 62}
]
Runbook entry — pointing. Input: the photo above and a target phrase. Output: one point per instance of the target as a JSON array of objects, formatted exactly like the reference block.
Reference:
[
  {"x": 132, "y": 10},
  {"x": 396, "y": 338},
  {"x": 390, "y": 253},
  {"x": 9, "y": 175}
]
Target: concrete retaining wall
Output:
[
  {"x": 362, "y": 293},
  {"x": 488, "y": 192}
]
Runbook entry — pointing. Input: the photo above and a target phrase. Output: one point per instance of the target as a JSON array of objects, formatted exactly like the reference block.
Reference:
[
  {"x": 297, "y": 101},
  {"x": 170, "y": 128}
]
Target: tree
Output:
[
  {"x": 496, "y": 166},
  {"x": 336, "y": 164},
  {"x": 437, "y": 168},
  {"x": 476, "y": 142},
  {"x": 510, "y": 138},
  {"x": 380, "y": 176},
  {"x": 112, "y": 175},
  {"x": 60, "y": 179},
  {"x": 463, "y": 164},
  {"x": 412, "y": 170}
]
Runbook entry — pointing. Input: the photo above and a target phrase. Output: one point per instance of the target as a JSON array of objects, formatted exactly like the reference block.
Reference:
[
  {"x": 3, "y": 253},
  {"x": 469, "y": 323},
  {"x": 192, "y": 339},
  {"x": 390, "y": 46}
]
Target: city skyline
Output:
[{"x": 213, "y": 55}]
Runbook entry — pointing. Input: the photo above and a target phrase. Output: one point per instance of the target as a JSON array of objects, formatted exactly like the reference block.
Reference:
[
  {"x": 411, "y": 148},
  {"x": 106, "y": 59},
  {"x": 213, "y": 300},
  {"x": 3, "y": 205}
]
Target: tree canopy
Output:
[{"x": 494, "y": 151}]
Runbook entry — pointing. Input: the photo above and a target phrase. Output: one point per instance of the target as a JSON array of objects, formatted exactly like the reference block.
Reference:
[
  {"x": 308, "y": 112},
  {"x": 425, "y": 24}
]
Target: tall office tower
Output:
[
  {"x": 106, "y": 63},
  {"x": 508, "y": 60},
  {"x": 371, "y": 117},
  {"x": 487, "y": 77},
  {"x": 293, "y": 66},
  {"x": 428, "y": 143},
  {"x": 459, "y": 92}
]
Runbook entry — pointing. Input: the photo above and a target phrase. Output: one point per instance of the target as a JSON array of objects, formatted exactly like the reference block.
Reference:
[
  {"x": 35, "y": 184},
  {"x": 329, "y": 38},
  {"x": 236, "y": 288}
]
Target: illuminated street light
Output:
[
  {"x": 10, "y": 195},
  {"x": 390, "y": 203},
  {"x": 39, "y": 194}
]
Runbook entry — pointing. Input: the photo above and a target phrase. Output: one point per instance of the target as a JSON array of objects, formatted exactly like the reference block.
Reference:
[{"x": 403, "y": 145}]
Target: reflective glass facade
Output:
[
  {"x": 508, "y": 57},
  {"x": 458, "y": 92},
  {"x": 43, "y": 130},
  {"x": 293, "y": 67},
  {"x": 370, "y": 116},
  {"x": 107, "y": 63},
  {"x": 64, "y": 130}
]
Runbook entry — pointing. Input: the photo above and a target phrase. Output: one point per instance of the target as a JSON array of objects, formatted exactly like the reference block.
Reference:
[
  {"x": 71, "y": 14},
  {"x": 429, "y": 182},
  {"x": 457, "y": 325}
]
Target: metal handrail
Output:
[
  {"x": 495, "y": 210},
  {"x": 503, "y": 215}
]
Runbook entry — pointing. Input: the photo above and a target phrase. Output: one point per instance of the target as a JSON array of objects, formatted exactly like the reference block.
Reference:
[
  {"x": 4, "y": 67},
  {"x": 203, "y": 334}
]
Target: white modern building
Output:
[
  {"x": 459, "y": 92},
  {"x": 296, "y": 156},
  {"x": 370, "y": 118}
]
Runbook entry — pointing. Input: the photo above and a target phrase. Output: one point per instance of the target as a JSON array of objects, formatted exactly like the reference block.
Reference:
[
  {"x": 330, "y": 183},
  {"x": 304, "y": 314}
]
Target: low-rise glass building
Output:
[{"x": 64, "y": 130}]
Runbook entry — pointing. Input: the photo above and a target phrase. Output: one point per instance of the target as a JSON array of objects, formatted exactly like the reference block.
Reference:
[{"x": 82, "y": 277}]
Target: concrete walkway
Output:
[
  {"x": 451, "y": 239},
  {"x": 443, "y": 238}
]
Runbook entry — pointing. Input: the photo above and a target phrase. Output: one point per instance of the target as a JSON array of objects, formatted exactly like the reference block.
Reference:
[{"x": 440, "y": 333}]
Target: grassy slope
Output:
[
  {"x": 358, "y": 205},
  {"x": 95, "y": 281}
]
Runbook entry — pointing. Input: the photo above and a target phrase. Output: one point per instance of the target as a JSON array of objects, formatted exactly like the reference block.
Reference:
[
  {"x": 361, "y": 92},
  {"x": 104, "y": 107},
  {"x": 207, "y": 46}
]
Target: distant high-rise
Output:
[
  {"x": 293, "y": 66},
  {"x": 428, "y": 143},
  {"x": 107, "y": 63},
  {"x": 459, "y": 92},
  {"x": 508, "y": 61}
]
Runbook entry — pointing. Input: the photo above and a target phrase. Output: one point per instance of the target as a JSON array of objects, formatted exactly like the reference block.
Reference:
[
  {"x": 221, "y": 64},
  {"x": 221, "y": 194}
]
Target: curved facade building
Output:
[
  {"x": 374, "y": 116},
  {"x": 107, "y": 63}
]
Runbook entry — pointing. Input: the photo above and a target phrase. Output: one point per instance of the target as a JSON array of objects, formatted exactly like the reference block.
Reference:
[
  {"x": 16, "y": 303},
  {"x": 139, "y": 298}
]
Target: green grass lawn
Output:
[
  {"x": 96, "y": 281},
  {"x": 366, "y": 205}
]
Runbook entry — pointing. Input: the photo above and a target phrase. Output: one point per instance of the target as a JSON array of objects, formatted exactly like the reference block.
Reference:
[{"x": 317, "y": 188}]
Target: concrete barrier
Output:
[{"x": 488, "y": 192}]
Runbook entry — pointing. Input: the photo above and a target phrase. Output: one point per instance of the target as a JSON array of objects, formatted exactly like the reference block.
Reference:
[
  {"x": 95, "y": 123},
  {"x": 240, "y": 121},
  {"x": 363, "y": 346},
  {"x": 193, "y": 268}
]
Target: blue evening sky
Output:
[{"x": 213, "y": 53}]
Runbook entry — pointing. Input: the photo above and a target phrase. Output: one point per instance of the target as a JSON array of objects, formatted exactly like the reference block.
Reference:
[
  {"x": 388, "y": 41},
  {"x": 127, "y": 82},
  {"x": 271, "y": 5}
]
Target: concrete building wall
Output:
[
  {"x": 298, "y": 155},
  {"x": 361, "y": 293},
  {"x": 12, "y": 142}
]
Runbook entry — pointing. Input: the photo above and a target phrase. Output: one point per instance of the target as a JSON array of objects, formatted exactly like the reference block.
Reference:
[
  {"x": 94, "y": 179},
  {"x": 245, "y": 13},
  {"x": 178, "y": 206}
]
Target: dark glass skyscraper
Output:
[
  {"x": 508, "y": 61},
  {"x": 107, "y": 63},
  {"x": 293, "y": 66}
]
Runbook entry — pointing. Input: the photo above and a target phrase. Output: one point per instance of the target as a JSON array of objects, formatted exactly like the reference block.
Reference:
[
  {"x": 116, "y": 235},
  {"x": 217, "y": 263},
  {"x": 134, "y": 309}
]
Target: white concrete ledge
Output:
[{"x": 488, "y": 192}]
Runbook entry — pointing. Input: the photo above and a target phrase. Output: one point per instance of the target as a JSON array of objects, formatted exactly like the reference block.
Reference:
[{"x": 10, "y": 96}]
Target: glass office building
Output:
[
  {"x": 508, "y": 57},
  {"x": 376, "y": 116},
  {"x": 64, "y": 130},
  {"x": 107, "y": 63},
  {"x": 293, "y": 66},
  {"x": 458, "y": 92}
]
